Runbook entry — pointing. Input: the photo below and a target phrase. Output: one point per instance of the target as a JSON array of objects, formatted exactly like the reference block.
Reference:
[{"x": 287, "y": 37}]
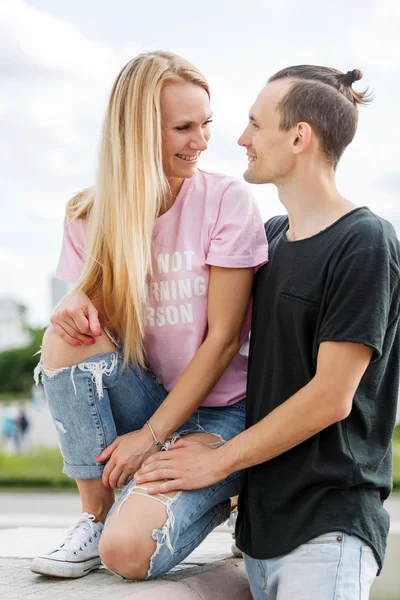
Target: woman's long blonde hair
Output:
[{"x": 130, "y": 189}]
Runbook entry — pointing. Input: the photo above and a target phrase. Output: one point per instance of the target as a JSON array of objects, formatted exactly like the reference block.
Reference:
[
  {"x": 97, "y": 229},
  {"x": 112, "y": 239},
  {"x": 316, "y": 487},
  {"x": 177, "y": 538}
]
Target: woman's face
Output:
[{"x": 185, "y": 117}]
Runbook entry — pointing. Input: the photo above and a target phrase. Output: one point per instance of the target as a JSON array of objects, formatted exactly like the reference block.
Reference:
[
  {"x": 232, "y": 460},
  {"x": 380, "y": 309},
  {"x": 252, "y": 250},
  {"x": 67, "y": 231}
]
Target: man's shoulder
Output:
[{"x": 368, "y": 231}]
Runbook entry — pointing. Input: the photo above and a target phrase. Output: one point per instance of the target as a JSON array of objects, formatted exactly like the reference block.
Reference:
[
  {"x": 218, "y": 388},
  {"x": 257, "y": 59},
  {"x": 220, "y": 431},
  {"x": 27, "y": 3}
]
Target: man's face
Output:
[{"x": 269, "y": 149}]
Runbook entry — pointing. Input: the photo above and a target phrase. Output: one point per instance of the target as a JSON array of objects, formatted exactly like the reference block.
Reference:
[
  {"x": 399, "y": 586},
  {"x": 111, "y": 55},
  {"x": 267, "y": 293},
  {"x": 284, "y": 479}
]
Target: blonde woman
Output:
[{"x": 147, "y": 347}]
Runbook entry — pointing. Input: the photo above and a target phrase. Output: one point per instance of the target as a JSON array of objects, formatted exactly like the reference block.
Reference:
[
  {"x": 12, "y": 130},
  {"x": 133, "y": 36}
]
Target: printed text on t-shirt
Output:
[{"x": 167, "y": 290}]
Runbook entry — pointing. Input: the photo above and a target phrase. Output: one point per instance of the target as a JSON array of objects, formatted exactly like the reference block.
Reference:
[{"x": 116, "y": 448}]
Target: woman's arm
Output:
[{"x": 228, "y": 300}]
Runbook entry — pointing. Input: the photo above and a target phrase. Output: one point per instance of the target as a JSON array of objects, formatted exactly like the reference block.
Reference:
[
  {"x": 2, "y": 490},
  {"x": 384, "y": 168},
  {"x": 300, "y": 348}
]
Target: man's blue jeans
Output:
[{"x": 333, "y": 566}]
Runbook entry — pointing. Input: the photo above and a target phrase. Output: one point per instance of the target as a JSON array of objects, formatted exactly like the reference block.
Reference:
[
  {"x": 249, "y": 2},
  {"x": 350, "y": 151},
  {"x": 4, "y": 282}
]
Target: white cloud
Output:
[
  {"x": 52, "y": 44},
  {"x": 378, "y": 35},
  {"x": 52, "y": 114}
]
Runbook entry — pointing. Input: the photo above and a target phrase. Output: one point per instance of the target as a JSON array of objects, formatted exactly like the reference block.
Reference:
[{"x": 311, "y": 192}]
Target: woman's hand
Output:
[
  {"x": 76, "y": 319},
  {"x": 125, "y": 455}
]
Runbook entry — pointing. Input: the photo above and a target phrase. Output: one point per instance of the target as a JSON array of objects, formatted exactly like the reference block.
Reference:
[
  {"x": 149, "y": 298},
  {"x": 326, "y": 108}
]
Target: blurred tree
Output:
[{"x": 16, "y": 366}]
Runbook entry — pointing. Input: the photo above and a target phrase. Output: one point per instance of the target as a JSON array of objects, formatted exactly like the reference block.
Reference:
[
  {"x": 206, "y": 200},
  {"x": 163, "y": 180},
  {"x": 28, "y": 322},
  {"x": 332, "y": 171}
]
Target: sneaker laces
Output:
[{"x": 78, "y": 534}]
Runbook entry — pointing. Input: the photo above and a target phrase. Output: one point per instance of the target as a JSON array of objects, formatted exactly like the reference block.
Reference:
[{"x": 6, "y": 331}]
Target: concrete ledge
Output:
[
  {"x": 222, "y": 580},
  {"x": 207, "y": 574},
  {"x": 218, "y": 582}
]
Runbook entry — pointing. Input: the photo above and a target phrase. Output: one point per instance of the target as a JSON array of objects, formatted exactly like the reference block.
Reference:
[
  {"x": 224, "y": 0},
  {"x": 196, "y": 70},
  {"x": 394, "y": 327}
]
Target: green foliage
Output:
[
  {"x": 42, "y": 467},
  {"x": 16, "y": 366},
  {"x": 7, "y": 397}
]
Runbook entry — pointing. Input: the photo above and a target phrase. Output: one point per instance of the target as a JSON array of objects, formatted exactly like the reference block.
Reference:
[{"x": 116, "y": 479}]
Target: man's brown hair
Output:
[{"x": 324, "y": 98}]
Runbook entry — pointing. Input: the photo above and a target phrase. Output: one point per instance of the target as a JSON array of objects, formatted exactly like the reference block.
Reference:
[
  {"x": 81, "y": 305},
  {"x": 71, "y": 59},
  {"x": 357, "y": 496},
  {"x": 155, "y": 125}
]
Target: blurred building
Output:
[
  {"x": 58, "y": 290},
  {"x": 13, "y": 329}
]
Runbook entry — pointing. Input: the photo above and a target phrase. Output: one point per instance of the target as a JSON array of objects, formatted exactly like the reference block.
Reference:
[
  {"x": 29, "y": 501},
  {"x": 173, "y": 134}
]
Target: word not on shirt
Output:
[{"x": 161, "y": 290}]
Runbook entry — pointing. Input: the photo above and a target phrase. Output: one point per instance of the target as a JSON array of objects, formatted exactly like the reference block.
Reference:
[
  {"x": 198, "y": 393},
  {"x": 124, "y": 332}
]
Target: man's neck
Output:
[{"x": 313, "y": 203}]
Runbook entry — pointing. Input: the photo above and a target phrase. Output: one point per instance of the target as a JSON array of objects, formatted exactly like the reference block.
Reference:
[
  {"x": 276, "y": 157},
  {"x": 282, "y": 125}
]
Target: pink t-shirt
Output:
[{"x": 213, "y": 221}]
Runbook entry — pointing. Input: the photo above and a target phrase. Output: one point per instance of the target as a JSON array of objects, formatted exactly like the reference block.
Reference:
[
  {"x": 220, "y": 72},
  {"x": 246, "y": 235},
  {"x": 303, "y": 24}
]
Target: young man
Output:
[{"x": 324, "y": 360}]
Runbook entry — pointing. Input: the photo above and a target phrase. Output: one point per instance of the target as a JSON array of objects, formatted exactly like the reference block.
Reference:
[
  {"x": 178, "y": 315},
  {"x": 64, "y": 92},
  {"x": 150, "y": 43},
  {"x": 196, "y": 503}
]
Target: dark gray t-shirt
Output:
[{"x": 339, "y": 285}]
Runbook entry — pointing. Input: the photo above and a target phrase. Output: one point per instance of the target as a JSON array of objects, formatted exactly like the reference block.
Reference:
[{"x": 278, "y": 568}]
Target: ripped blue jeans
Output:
[{"x": 95, "y": 401}]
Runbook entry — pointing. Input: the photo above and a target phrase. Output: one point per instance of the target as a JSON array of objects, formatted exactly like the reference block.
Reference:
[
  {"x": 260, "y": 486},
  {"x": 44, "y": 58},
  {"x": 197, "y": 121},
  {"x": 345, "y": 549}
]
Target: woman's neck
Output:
[{"x": 175, "y": 185}]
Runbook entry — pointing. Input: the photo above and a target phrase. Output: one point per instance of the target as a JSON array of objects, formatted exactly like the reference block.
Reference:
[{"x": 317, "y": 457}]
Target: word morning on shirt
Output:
[{"x": 161, "y": 290}]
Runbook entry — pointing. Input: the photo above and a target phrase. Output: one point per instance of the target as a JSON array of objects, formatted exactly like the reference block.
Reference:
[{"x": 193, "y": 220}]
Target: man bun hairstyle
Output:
[
  {"x": 325, "y": 99},
  {"x": 352, "y": 76}
]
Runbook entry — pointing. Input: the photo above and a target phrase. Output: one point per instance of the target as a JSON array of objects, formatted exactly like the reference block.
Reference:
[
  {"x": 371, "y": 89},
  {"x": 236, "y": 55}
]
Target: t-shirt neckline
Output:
[
  {"x": 311, "y": 237},
  {"x": 186, "y": 185}
]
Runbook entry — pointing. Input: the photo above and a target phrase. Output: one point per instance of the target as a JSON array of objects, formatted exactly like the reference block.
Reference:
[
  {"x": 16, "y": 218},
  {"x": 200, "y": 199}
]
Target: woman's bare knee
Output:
[
  {"x": 56, "y": 353},
  {"x": 124, "y": 556},
  {"x": 127, "y": 545}
]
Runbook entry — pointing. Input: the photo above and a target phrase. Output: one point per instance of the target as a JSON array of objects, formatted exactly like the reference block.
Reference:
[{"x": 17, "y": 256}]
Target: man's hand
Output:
[
  {"x": 125, "y": 455},
  {"x": 186, "y": 465}
]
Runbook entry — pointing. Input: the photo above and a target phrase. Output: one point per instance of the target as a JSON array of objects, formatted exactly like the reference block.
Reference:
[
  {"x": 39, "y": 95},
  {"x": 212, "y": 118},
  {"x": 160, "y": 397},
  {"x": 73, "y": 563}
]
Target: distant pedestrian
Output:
[
  {"x": 8, "y": 428},
  {"x": 22, "y": 425}
]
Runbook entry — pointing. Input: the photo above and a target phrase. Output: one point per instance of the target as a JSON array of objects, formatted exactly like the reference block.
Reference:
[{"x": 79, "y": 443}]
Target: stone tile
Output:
[
  {"x": 190, "y": 582},
  {"x": 18, "y": 546}
]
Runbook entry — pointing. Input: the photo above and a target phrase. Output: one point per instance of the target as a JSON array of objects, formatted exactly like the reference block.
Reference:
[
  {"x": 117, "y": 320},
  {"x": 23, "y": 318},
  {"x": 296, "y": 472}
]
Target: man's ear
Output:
[{"x": 302, "y": 137}]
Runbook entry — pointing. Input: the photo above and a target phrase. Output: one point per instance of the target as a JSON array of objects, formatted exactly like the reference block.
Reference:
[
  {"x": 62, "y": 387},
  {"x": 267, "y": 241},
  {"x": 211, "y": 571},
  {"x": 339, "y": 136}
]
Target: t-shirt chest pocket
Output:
[
  {"x": 299, "y": 296},
  {"x": 298, "y": 305}
]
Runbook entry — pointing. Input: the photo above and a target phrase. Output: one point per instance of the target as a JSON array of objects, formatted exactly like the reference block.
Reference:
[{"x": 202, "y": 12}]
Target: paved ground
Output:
[
  {"x": 209, "y": 573},
  {"x": 212, "y": 581},
  {"x": 225, "y": 581},
  {"x": 18, "y": 545},
  {"x": 55, "y": 509},
  {"x": 32, "y": 522}
]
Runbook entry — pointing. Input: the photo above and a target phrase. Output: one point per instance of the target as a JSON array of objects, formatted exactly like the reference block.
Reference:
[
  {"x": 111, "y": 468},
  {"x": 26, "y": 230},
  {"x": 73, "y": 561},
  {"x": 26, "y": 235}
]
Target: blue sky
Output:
[{"x": 58, "y": 61}]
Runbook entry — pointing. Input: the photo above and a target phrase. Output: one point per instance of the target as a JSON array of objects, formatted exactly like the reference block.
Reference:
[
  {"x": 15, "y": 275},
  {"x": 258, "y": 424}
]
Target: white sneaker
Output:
[
  {"x": 77, "y": 555},
  {"x": 232, "y": 523}
]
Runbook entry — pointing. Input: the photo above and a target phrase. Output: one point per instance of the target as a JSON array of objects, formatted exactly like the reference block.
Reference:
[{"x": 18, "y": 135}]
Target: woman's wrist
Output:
[{"x": 156, "y": 442}]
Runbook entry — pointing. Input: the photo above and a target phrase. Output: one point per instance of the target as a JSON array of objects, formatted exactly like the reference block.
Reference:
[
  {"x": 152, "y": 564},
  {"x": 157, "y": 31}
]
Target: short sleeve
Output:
[
  {"x": 72, "y": 259},
  {"x": 238, "y": 237},
  {"x": 362, "y": 300}
]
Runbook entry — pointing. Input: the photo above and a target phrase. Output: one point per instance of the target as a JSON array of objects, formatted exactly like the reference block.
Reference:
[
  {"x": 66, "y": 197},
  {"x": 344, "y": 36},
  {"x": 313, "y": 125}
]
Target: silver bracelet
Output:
[{"x": 156, "y": 440}]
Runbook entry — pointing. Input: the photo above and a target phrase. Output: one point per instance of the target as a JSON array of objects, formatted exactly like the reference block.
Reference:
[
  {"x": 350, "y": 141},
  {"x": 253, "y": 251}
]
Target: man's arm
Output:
[{"x": 325, "y": 400}]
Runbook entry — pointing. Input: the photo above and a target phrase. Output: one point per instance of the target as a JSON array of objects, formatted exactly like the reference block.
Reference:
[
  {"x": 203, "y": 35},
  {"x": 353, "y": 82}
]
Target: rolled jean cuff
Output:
[{"x": 82, "y": 472}]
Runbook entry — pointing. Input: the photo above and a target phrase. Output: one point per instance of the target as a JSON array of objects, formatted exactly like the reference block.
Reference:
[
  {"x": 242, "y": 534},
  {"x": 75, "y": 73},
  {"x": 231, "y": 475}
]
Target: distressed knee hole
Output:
[
  {"x": 212, "y": 440},
  {"x": 162, "y": 535},
  {"x": 142, "y": 491},
  {"x": 52, "y": 372},
  {"x": 97, "y": 370},
  {"x": 60, "y": 426}
]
